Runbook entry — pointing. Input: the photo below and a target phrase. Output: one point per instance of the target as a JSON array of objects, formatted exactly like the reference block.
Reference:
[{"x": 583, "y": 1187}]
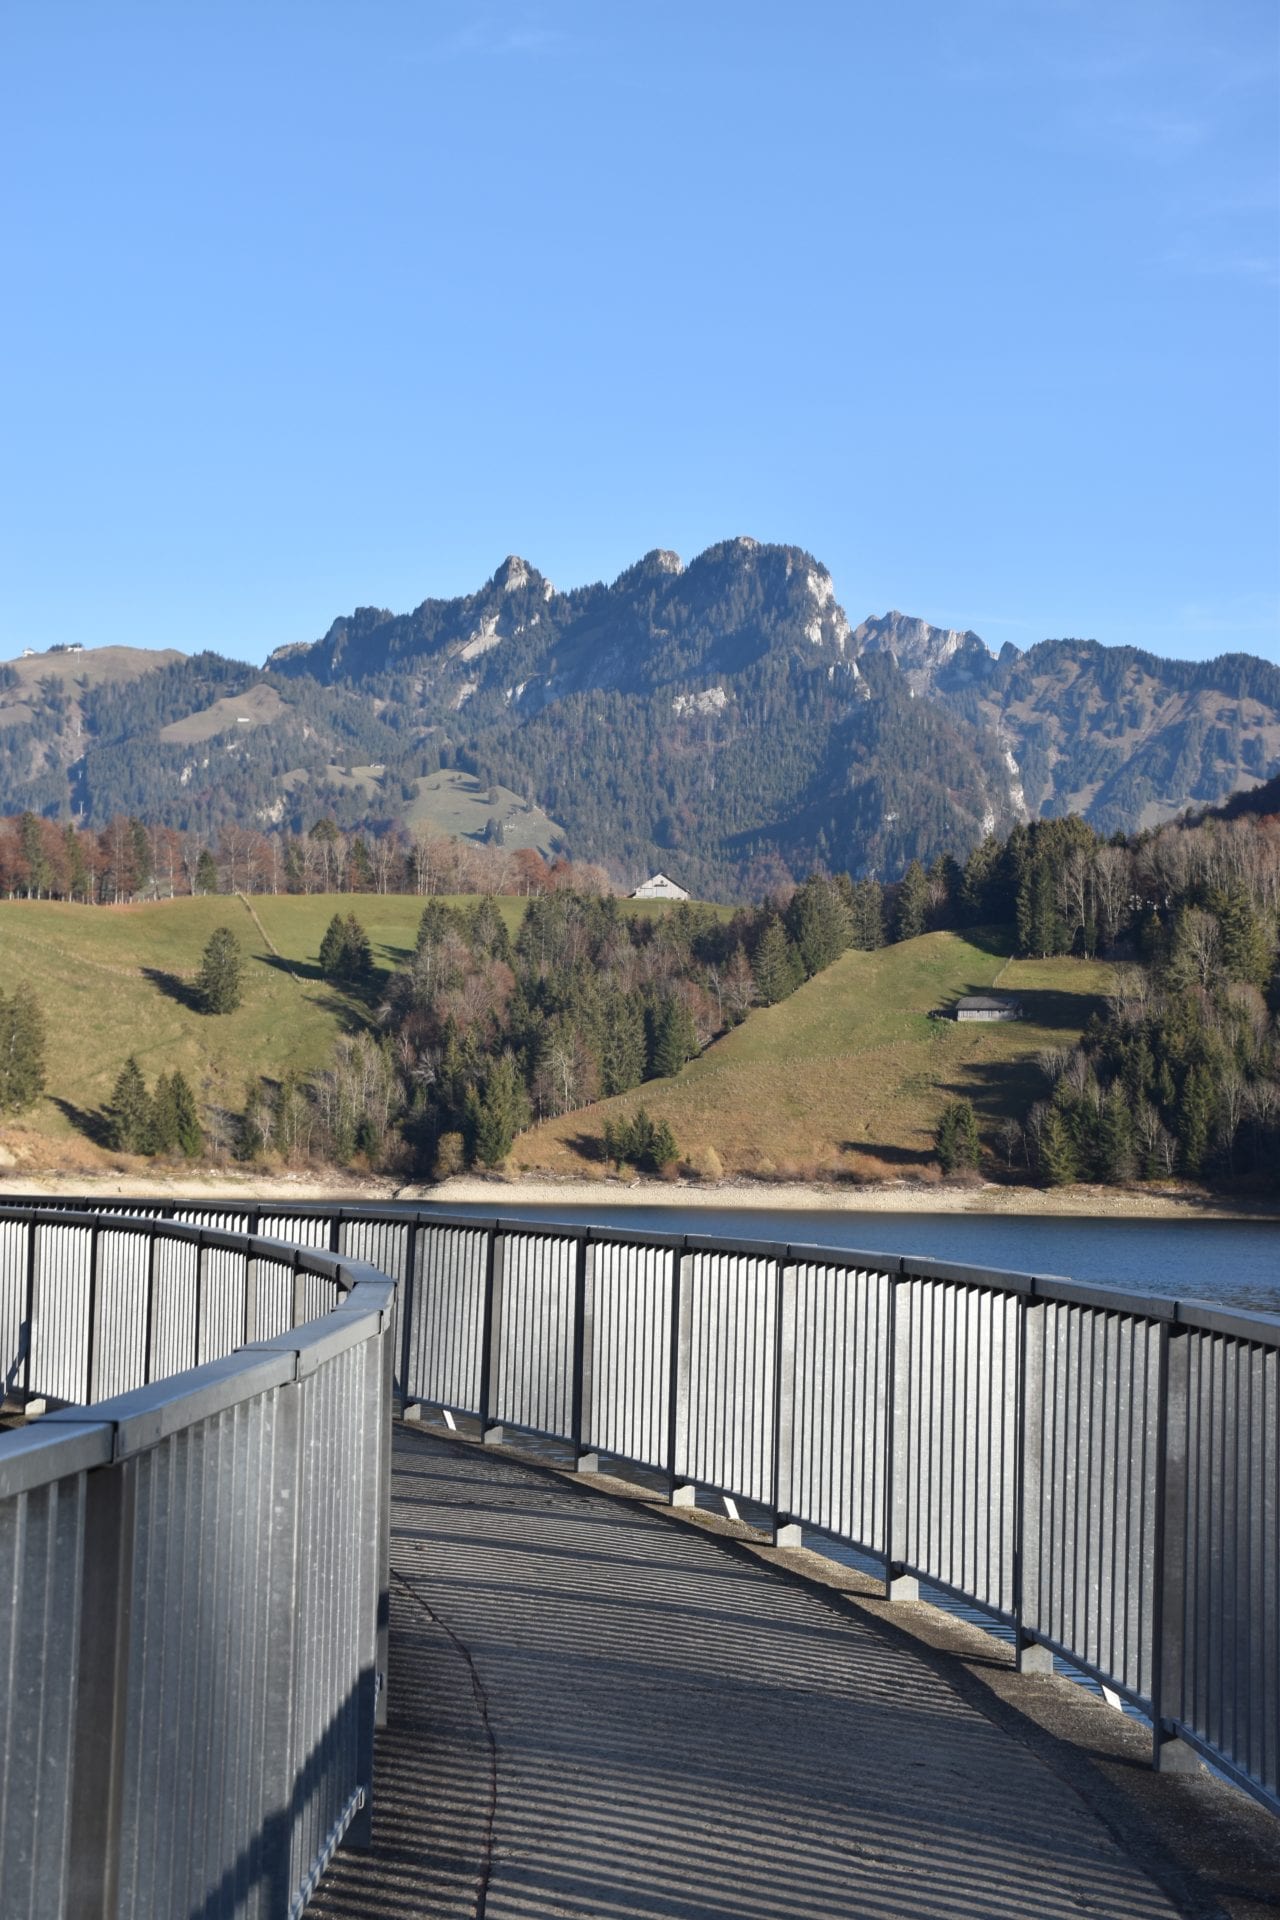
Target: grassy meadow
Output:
[
  {"x": 457, "y": 803},
  {"x": 845, "y": 1077},
  {"x": 849, "y": 1074},
  {"x": 119, "y": 980}
]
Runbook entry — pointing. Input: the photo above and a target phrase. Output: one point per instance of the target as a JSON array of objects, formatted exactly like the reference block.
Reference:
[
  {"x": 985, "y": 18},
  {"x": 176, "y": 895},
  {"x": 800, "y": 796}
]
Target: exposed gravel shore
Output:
[
  {"x": 1129, "y": 1203},
  {"x": 1132, "y": 1203}
]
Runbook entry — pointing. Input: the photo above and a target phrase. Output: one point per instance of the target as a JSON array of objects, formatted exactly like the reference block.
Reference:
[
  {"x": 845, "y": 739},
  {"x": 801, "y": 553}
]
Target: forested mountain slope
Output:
[{"x": 721, "y": 720}]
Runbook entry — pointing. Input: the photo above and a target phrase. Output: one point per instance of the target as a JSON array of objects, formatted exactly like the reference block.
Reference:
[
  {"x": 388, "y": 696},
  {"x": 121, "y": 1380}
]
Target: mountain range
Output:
[{"x": 721, "y": 720}]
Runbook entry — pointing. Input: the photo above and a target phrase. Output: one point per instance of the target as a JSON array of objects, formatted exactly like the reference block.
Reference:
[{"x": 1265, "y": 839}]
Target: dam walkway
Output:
[{"x": 600, "y": 1709}]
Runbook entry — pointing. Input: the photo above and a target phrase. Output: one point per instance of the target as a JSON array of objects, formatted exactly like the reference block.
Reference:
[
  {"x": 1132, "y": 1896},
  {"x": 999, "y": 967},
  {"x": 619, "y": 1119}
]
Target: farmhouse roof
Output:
[{"x": 983, "y": 1003}]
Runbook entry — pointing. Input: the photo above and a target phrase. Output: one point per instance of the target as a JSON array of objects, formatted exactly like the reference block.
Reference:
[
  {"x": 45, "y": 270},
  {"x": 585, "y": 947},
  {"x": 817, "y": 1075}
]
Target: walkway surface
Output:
[{"x": 596, "y": 1711}]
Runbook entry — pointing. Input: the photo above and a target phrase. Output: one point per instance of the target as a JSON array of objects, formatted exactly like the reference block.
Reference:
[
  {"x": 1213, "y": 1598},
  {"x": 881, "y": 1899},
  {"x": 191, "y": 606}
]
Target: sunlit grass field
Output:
[
  {"x": 850, "y": 1073},
  {"x": 117, "y": 980}
]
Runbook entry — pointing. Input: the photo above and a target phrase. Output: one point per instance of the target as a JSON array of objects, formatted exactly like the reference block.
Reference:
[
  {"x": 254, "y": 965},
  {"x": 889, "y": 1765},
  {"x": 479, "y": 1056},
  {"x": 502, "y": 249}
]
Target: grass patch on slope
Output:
[
  {"x": 112, "y": 981},
  {"x": 848, "y": 1076}
]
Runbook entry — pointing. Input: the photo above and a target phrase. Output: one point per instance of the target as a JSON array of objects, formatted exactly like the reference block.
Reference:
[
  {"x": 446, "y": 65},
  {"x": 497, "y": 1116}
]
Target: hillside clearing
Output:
[
  {"x": 255, "y": 707},
  {"x": 848, "y": 1076},
  {"x": 457, "y": 803},
  {"x": 112, "y": 981}
]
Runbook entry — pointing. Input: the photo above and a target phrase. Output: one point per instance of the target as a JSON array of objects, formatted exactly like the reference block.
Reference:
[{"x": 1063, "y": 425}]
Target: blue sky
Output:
[{"x": 315, "y": 305}]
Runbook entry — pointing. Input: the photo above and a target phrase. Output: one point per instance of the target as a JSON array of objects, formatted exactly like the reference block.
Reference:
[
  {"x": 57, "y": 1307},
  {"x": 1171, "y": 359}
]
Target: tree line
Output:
[
  {"x": 1180, "y": 1076},
  {"x": 130, "y": 860},
  {"x": 481, "y": 1032}
]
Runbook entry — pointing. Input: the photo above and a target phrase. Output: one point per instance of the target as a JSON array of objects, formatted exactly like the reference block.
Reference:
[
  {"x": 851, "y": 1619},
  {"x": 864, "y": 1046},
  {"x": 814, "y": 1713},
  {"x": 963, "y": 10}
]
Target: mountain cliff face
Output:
[
  {"x": 712, "y": 717},
  {"x": 722, "y": 720},
  {"x": 1113, "y": 733}
]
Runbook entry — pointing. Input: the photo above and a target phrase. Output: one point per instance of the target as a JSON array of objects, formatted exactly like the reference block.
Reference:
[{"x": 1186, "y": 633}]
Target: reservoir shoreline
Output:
[{"x": 1166, "y": 1202}]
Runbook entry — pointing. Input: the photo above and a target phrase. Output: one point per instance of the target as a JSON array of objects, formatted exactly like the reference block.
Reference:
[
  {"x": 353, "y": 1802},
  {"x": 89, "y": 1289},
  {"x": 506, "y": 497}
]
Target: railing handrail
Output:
[
  {"x": 293, "y": 1423},
  {"x": 1246, "y": 1323},
  {"x": 1077, "y": 1460}
]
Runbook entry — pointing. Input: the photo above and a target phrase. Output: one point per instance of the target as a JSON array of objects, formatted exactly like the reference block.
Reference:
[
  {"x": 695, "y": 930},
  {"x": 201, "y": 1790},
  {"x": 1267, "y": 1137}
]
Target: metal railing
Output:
[
  {"x": 1099, "y": 1470},
  {"x": 194, "y": 1605}
]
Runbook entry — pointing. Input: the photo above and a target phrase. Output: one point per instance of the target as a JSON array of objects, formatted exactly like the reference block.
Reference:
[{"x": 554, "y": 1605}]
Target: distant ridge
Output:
[{"x": 722, "y": 717}]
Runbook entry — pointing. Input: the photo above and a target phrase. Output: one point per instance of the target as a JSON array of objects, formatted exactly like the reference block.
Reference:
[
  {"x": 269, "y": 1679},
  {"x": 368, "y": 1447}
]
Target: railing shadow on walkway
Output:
[{"x": 596, "y": 1711}]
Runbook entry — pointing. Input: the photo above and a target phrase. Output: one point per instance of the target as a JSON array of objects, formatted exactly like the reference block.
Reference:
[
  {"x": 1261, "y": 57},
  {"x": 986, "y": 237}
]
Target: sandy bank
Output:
[
  {"x": 1164, "y": 1203},
  {"x": 310, "y": 1189},
  {"x": 494, "y": 1190}
]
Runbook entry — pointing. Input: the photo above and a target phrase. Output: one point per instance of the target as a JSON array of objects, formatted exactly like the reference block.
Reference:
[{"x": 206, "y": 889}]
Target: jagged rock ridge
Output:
[{"x": 720, "y": 719}]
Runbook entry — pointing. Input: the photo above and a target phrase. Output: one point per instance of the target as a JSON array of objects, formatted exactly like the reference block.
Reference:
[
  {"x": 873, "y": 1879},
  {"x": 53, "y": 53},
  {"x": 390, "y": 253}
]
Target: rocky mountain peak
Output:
[
  {"x": 658, "y": 565},
  {"x": 515, "y": 573},
  {"x": 928, "y": 656}
]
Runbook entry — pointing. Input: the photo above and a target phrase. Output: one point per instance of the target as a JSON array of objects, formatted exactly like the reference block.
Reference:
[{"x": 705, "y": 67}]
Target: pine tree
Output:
[
  {"x": 979, "y": 885},
  {"x": 164, "y": 1131},
  {"x": 776, "y": 968},
  {"x": 206, "y": 872},
  {"x": 357, "y": 958},
  {"x": 622, "y": 1043},
  {"x": 639, "y": 1141},
  {"x": 674, "y": 1040},
  {"x": 820, "y": 923},
  {"x": 220, "y": 982},
  {"x": 1039, "y": 929},
  {"x": 868, "y": 915},
  {"x": 1116, "y": 1144},
  {"x": 22, "y": 1040},
  {"x": 175, "y": 1122},
  {"x": 1197, "y": 1112},
  {"x": 912, "y": 904},
  {"x": 359, "y": 867},
  {"x": 130, "y": 1114},
  {"x": 1246, "y": 951},
  {"x": 1059, "y": 1166},
  {"x": 140, "y": 852},
  {"x": 77, "y": 868},
  {"x": 333, "y": 948},
  {"x": 487, "y": 930},
  {"x": 956, "y": 1137},
  {"x": 501, "y": 1113}
]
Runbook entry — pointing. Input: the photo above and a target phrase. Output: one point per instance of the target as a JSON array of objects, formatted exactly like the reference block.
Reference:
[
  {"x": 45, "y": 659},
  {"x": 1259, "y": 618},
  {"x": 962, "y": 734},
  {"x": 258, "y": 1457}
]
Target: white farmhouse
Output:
[{"x": 658, "y": 887}]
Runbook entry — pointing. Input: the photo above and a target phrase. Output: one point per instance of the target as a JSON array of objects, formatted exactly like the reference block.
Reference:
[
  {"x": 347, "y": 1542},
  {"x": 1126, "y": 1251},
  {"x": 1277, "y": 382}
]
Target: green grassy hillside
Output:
[
  {"x": 118, "y": 980},
  {"x": 457, "y": 803},
  {"x": 850, "y": 1073}
]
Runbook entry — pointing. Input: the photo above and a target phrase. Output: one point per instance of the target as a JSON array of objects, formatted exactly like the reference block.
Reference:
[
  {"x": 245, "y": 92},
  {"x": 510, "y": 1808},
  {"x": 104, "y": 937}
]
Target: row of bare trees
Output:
[{"x": 131, "y": 860}]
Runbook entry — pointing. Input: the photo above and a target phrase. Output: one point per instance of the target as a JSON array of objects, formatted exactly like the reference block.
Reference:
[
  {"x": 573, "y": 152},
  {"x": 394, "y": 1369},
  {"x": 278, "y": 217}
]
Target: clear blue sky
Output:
[{"x": 312, "y": 305}]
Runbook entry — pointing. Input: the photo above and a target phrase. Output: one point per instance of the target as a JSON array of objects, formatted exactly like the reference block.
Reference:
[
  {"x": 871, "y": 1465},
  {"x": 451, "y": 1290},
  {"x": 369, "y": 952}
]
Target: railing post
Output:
[
  {"x": 1170, "y": 1753},
  {"x": 195, "y": 1356},
  {"x": 299, "y": 1291},
  {"x": 1028, "y": 1496},
  {"x": 491, "y": 1338},
  {"x": 583, "y": 1305},
  {"x": 149, "y": 1336},
  {"x": 683, "y": 1493},
  {"x": 280, "y": 1493},
  {"x": 898, "y": 1585},
  {"x": 29, "y": 1343},
  {"x": 101, "y": 1694},
  {"x": 786, "y": 1531},
  {"x": 387, "y": 1350},
  {"x": 407, "y": 1297},
  {"x": 250, "y": 1295},
  {"x": 91, "y": 1329}
]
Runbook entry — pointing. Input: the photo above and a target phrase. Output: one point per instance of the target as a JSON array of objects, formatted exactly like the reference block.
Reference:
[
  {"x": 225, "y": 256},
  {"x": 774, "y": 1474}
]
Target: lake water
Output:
[{"x": 1233, "y": 1262}]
